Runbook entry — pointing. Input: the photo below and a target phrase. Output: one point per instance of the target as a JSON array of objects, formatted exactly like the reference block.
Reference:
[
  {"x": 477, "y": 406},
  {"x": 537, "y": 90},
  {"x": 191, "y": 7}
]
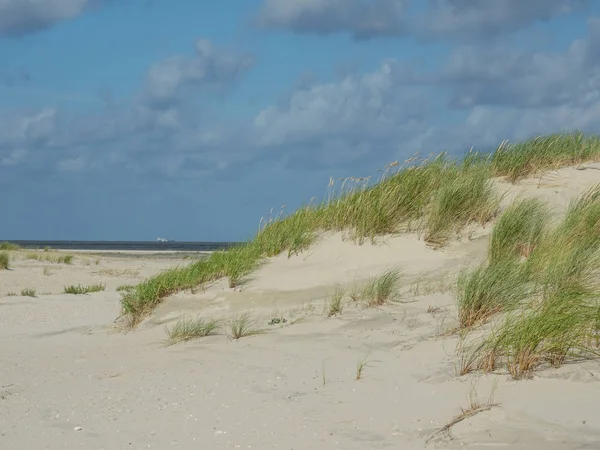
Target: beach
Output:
[{"x": 309, "y": 373}]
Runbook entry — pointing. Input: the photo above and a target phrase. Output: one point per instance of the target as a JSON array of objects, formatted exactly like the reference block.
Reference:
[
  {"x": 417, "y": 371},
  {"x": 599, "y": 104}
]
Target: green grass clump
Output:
[
  {"x": 516, "y": 161},
  {"x": 64, "y": 259},
  {"x": 382, "y": 289},
  {"x": 9, "y": 246},
  {"x": 80, "y": 290},
  {"x": 55, "y": 259},
  {"x": 519, "y": 230},
  {"x": 243, "y": 325},
  {"x": 4, "y": 261},
  {"x": 558, "y": 291},
  {"x": 466, "y": 198},
  {"x": 490, "y": 289},
  {"x": 28, "y": 292},
  {"x": 125, "y": 288},
  {"x": 188, "y": 328}
]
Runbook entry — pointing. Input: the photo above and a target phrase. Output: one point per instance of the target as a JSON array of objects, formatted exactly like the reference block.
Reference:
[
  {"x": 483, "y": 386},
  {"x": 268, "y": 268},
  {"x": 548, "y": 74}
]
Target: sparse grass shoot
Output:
[
  {"x": 361, "y": 364},
  {"x": 191, "y": 328}
]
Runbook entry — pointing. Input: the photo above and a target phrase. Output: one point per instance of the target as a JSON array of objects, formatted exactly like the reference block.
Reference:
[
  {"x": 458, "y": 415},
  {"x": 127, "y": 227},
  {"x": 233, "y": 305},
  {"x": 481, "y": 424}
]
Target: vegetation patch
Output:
[
  {"x": 243, "y": 325},
  {"x": 55, "y": 259},
  {"x": 9, "y": 246},
  {"x": 4, "y": 261},
  {"x": 552, "y": 297},
  {"x": 380, "y": 290},
  {"x": 80, "y": 290},
  {"x": 335, "y": 305},
  {"x": 28, "y": 292},
  {"x": 436, "y": 197},
  {"x": 191, "y": 328}
]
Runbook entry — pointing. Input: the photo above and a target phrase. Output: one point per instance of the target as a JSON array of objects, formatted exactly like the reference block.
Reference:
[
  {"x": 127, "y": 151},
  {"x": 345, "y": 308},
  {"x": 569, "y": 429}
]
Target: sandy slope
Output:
[{"x": 68, "y": 380}]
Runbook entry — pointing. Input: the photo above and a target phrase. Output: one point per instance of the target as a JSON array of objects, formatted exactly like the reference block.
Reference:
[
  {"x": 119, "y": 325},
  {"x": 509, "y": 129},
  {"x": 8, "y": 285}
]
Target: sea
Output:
[{"x": 171, "y": 246}]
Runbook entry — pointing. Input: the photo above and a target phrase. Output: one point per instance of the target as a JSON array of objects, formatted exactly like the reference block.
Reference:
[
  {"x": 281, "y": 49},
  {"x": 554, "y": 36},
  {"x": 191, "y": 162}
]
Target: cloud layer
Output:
[
  {"x": 372, "y": 18},
  {"x": 20, "y": 17}
]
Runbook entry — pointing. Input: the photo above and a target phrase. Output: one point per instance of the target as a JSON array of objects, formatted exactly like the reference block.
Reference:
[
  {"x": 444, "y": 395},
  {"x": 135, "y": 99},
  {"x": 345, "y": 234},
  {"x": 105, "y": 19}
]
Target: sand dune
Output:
[{"x": 69, "y": 378}]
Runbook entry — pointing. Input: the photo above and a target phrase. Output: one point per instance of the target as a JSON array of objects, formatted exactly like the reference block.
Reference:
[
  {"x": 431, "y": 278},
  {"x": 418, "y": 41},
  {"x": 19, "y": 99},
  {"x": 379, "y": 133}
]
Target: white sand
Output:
[{"x": 69, "y": 380}]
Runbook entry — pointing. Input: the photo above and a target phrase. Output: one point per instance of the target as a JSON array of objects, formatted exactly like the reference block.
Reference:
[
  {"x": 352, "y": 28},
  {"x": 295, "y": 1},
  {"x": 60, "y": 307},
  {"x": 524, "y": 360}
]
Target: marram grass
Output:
[
  {"x": 436, "y": 197},
  {"x": 551, "y": 296}
]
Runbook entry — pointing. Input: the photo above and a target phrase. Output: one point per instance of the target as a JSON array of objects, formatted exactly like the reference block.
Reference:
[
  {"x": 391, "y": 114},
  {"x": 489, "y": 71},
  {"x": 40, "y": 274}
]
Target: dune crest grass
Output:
[
  {"x": 551, "y": 296},
  {"x": 436, "y": 197},
  {"x": 520, "y": 160}
]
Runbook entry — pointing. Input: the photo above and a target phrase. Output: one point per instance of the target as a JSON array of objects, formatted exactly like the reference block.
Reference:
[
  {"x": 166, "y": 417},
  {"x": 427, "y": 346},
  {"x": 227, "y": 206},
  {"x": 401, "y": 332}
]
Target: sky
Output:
[{"x": 191, "y": 120}]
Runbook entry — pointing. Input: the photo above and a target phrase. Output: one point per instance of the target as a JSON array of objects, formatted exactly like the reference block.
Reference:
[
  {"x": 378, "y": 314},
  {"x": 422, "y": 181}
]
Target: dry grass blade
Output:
[{"x": 475, "y": 407}]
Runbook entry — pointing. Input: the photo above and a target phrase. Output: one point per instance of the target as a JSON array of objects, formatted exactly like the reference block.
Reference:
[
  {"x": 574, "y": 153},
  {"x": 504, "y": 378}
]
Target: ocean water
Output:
[{"x": 125, "y": 245}]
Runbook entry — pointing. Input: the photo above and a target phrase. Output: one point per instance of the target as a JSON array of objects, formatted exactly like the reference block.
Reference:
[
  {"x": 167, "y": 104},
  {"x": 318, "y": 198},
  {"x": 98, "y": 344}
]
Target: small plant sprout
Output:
[{"x": 361, "y": 364}]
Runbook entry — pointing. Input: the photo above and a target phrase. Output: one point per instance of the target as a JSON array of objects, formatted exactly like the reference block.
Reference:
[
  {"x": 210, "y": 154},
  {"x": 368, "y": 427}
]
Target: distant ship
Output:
[{"x": 159, "y": 239}]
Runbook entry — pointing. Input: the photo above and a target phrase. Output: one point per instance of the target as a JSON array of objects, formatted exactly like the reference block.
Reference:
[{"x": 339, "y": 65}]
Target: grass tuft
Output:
[
  {"x": 335, "y": 304},
  {"x": 557, "y": 289},
  {"x": 530, "y": 157},
  {"x": 191, "y": 328},
  {"x": 382, "y": 289},
  {"x": 28, "y": 292},
  {"x": 519, "y": 230},
  {"x": 55, "y": 259},
  {"x": 9, "y": 246},
  {"x": 4, "y": 261},
  {"x": 243, "y": 325},
  {"x": 489, "y": 289},
  {"x": 80, "y": 290}
]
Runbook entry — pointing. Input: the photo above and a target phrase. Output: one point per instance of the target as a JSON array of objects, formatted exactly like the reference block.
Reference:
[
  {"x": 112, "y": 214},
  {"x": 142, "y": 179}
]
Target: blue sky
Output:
[{"x": 128, "y": 120}]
